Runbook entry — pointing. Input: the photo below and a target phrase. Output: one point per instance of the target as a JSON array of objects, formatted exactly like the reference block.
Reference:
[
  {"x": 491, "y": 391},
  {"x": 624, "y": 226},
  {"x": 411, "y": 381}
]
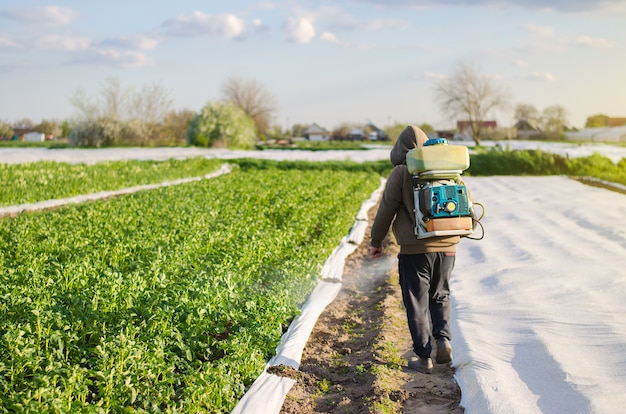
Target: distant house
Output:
[
  {"x": 466, "y": 126},
  {"x": 441, "y": 133},
  {"x": 615, "y": 122},
  {"x": 464, "y": 129},
  {"x": 316, "y": 133},
  {"x": 525, "y": 130},
  {"x": 376, "y": 134},
  {"x": 34, "y": 137},
  {"x": 356, "y": 134}
]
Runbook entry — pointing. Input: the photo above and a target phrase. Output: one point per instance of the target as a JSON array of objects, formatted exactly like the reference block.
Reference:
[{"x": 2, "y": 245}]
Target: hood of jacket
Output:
[{"x": 411, "y": 137}]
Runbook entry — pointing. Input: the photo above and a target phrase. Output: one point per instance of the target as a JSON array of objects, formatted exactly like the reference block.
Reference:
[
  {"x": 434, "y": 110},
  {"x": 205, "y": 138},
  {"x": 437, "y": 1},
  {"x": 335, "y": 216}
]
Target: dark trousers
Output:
[{"x": 424, "y": 279}]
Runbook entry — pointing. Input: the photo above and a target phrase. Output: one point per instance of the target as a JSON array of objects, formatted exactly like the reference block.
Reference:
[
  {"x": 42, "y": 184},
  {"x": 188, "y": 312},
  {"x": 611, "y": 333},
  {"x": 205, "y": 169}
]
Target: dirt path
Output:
[{"x": 355, "y": 359}]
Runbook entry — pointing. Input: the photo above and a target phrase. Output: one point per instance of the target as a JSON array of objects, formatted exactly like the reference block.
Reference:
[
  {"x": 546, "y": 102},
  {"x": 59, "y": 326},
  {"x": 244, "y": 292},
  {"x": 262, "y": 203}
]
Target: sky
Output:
[{"x": 328, "y": 62}]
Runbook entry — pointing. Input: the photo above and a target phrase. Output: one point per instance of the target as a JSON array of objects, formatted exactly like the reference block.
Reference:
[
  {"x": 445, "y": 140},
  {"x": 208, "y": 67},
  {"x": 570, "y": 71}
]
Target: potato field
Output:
[{"x": 168, "y": 300}]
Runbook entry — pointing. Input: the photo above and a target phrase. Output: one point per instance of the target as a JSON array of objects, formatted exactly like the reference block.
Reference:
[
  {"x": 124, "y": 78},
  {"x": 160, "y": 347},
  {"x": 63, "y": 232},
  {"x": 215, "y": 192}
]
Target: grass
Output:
[{"x": 498, "y": 161}]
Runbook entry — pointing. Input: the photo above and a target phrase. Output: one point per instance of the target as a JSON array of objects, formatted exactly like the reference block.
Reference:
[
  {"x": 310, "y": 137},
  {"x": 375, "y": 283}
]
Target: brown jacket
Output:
[{"x": 396, "y": 205}]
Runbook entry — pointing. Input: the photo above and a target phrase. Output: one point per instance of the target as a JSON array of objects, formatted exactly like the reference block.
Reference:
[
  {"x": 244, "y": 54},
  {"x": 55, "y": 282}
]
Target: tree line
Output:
[{"x": 144, "y": 116}]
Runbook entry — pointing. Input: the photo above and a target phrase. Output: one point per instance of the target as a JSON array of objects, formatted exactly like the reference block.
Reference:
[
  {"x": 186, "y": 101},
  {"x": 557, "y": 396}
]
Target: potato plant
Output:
[{"x": 169, "y": 300}]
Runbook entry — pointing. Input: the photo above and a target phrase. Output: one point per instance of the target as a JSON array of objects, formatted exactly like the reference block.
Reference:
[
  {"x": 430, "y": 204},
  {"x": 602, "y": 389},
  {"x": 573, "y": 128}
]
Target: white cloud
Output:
[
  {"x": 137, "y": 42},
  {"x": 260, "y": 27},
  {"x": 48, "y": 15},
  {"x": 435, "y": 76},
  {"x": 338, "y": 20},
  {"x": 227, "y": 26},
  {"x": 265, "y": 5},
  {"x": 429, "y": 76},
  {"x": 537, "y": 76},
  {"x": 15, "y": 67},
  {"x": 329, "y": 37},
  {"x": 521, "y": 62},
  {"x": 6, "y": 41},
  {"x": 542, "y": 31},
  {"x": 114, "y": 57},
  {"x": 542, "y": 5},
  {"x": 68, "y": 43},
  {"x": 596, "y": 42},
  {"x": 299, "y": 29}
]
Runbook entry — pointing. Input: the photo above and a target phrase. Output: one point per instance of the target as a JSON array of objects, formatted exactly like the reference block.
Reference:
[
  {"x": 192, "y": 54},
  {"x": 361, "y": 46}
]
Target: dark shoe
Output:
[
  {"x": 444, "y": 351},
  {"x": 423, "y": 365}
]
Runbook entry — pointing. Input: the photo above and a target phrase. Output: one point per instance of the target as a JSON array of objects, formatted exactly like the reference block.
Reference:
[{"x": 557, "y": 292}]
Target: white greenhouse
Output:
[{"x": 611, "y": 134}]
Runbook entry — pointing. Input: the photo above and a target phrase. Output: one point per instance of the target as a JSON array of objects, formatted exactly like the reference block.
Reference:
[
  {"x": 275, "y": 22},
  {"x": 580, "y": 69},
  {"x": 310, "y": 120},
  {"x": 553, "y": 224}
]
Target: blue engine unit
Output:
[{"x": 448, "y": 200}]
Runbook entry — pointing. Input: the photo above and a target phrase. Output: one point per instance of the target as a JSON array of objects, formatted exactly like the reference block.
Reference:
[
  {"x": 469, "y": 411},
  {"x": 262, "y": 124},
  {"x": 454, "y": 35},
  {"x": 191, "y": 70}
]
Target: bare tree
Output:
[
  {"x": 139, "y": 113},
  {"x": 470, "y": 94},
  {"x": 116, "y": 99},
  {"x": 254, "y": 99},
  {"x": 528, "y": 113},
  {"x": 151, "y": 104},
  {"x": 88, "y": 107},
  {"x": 25, "y": 123},
  {"x": 554, "y": 120}
]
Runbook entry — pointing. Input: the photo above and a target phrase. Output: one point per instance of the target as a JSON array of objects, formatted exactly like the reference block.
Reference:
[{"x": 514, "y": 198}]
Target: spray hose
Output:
[{"x": 476, "y": 222}]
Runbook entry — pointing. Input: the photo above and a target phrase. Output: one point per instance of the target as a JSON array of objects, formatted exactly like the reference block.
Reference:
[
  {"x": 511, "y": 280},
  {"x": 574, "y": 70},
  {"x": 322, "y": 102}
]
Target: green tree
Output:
[
  {"x": 66, "y": 127},
  {"x": 597, "y": 121},
  {"x": 222, "y": 124},
  {"x": 297, "y": 130},
  {"x": 254, "y": 99},
  {"x": 98, "y": 132},
  {"x": 427, "y": 128},
  {"x": 48, "y": 127},
  {"x": 393, "y": 131},
  {"x": 173, "y": 130},
  {"x": 6, "y": 132},
  {"x": 342, "y": 131}
]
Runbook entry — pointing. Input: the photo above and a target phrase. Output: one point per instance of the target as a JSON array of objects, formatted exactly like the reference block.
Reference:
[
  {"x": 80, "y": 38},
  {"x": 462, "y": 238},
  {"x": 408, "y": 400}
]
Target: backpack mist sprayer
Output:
[{"x": 443, "y": 205}]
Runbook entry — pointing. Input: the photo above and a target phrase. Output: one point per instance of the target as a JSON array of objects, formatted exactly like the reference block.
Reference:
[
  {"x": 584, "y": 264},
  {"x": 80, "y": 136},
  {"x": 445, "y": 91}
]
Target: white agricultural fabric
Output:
[
  {"x": 539, "y": 316},
  {"x": 268, "y": 392}
]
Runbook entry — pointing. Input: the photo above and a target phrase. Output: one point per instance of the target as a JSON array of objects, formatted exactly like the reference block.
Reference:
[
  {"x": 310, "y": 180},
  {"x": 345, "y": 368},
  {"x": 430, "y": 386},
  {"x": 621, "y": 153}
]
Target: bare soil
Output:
[{"x": 356, "y": 358}]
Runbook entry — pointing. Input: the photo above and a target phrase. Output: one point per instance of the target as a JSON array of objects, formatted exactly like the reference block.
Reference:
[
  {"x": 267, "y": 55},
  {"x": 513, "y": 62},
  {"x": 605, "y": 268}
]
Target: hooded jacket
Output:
[{"x": 396, "y": 206}]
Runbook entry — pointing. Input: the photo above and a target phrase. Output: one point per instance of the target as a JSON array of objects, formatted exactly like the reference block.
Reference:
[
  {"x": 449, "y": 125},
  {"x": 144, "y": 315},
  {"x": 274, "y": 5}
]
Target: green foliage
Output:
[
  {"x": 100, "y": 132},
  {"x": 6, "y": 132},
  {"x": 506, "y": 162},
  {"x": 48, "y": 127},
  {"x": 46, "y": 180},
  {"x": 33, "y": 144},
  {"x": 498, "y": 161},
  {"x": 168, "y": 300},
  {"x": 382, "y": 167},
  {"x": 394, "y": 131},
  {"x": 317, "y": 146},
  {"x": 65, "y": 129},
  {"x": 222, "y": 124},
  {"x": 597, "y": 121},
  {"x": 427, "y": 128}
]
